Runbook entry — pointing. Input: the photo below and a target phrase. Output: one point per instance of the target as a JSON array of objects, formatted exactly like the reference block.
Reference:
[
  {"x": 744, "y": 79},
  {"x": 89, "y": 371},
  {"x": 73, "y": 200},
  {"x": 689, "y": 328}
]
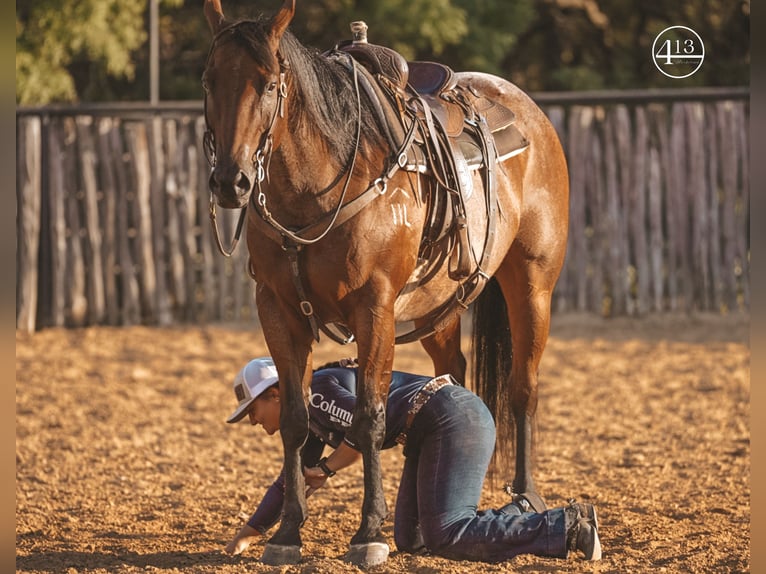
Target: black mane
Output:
[{"x": 322, "y": 88}]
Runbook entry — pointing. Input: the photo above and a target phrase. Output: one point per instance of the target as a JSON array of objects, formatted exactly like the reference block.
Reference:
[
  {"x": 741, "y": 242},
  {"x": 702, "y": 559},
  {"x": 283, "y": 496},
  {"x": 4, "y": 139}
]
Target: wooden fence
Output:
[{"x": 113, "y": 219}]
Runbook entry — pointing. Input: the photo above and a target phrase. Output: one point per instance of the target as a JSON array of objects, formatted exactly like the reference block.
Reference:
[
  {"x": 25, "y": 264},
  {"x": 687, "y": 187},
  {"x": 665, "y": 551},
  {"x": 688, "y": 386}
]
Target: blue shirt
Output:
[{"x": 331, "y": 411}]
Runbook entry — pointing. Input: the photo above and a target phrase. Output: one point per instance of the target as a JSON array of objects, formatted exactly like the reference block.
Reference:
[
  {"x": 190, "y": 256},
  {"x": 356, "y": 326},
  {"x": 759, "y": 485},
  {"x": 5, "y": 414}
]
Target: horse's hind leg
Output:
[
  {"x": 444, "y": 349},
  {"x": 527, "y": 286}
]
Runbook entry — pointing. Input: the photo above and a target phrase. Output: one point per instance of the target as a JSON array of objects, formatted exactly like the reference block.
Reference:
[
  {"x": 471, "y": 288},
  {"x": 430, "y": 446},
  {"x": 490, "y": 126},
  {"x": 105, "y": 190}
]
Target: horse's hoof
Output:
[
  {"x": 278, "y": 555},
  {"x": 367, "y": 555}
]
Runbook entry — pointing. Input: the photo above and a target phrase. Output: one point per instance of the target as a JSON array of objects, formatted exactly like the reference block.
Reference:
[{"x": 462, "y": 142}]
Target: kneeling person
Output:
[{"x": 448, "y": 433}]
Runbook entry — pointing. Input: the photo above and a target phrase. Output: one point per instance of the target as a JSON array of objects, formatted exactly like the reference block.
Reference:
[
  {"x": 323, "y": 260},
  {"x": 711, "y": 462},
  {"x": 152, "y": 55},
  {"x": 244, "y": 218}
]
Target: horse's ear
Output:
[
  {"x": 214, "y": 15},
  {"x": 280, "y": 22}
]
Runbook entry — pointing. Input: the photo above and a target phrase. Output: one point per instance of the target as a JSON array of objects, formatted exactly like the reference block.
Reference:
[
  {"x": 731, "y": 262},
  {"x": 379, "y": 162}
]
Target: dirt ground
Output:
[{"x": 124, "y": 462}]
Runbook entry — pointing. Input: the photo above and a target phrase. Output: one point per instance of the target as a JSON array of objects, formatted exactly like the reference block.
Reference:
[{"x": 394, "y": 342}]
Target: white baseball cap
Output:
[{"x": 254, "y": 378}]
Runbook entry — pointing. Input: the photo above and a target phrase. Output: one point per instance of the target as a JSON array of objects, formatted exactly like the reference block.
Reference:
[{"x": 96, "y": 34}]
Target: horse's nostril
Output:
[
  {"x": 242, "y": 182},
  {"x": 230, "y": 181}
]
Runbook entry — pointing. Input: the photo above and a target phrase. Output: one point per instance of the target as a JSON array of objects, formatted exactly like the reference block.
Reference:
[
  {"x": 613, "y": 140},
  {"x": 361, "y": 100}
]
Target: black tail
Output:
[{"x": 492, "y": 359}]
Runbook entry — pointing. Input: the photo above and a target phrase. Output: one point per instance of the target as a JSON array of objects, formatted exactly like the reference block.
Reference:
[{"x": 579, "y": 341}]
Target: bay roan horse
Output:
[{"x": 340, "y": 231}]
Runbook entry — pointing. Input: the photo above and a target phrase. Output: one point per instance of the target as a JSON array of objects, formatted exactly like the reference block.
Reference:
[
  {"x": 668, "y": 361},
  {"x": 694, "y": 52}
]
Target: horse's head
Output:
[{"x": 244, "y": 85}]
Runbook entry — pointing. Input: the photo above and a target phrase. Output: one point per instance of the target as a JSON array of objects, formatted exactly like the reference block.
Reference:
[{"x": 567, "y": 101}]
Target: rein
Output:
[{"x": 237, "y": 231}]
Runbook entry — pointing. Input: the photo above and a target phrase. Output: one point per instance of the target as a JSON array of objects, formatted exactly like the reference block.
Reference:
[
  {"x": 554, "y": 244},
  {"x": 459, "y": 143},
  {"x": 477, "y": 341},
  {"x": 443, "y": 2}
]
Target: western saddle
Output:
[{"x": 456, "y": 131}]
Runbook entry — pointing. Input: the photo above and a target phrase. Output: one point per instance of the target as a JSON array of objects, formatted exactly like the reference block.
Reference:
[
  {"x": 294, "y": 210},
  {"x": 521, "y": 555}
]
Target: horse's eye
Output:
[
  {"x": 206, "y": 83},
  {"x": 271, "y": 87}
]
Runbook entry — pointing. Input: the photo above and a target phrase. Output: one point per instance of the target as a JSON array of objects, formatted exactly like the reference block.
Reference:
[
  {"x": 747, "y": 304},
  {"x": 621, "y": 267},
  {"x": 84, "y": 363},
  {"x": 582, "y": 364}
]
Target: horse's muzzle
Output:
[{"x": 230, "y": 186}]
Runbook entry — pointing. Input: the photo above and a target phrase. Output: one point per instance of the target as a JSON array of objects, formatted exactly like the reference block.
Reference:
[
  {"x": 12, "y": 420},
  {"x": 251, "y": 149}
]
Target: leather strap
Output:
[
  {"x": 295, "y": 273},
  {"x": 420, "y": 399}
]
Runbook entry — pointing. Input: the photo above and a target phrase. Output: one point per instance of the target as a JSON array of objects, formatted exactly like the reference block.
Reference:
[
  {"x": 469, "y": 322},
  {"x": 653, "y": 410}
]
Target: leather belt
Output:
[{"x": 420, "y": 399}]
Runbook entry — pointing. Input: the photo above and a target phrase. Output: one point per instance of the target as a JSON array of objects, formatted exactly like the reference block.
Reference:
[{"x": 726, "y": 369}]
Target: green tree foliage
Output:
[
  {"x": 407, "y": 26},
  {"x": 493, "y": 31},
  {"x": 87, "y": 50},
  {"x": 66, "y": 49},
  {"x": 607, "y": 44}
]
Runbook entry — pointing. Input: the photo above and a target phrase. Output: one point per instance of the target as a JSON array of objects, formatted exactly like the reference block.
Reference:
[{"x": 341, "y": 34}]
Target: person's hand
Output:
[
  {"x": 237, "y": 546},
  {"x": 242, "y": 540},
  {"x": 315, "y": 479}
]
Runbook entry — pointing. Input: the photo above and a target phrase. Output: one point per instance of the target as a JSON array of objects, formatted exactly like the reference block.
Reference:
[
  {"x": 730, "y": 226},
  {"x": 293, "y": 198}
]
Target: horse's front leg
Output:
[
  {"x": 290, "y": 347},
  {"x": 375, "y": 347}
]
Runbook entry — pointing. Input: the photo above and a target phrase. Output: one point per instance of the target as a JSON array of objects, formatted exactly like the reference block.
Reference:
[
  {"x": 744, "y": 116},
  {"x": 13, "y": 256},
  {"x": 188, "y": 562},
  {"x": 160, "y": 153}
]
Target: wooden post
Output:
[
  {"x": 656, "y": 236},
  {"x": 637, "y": 207},
  {"x": 57, "y": 194},
  {"x": 187, "y": 176},
  {"x": 622, "y": 131},
  {"x": 110, "y": 250},
  {"x": 92, "y": 243},
  {"x": 672, "y": 154},
  {"x": 28, "y": 194},
  {"x": 173, "y": 254},
  {"x": 728, "y": 158},
  {"x": 743, "y": 202},
  {"x": 712, "y": 200},
  {"x": 76, "y": 311},
  {"x": 125, "y": 230},
  {"x": 159, "y": 225},
  {"x": 142, "y": 214},
  {"x": 580, "y": 120},
  {"x": 684, "y": 216},
  {"x": 697, "y": 194},
  {"x": 594, "y": 272},
  {"x": 613, "y": 245}
]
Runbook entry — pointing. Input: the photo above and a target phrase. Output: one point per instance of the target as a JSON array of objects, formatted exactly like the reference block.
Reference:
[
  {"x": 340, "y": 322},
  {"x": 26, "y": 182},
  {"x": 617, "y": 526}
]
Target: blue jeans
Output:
[{"x": 448, "y": 451}]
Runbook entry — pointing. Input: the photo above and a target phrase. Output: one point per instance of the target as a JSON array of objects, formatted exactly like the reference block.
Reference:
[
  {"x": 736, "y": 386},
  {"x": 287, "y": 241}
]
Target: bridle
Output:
[
  {"x": 262, "y": 160},
  {"x": 208, "y": 147},
  {"x": 262, "y": 153}
]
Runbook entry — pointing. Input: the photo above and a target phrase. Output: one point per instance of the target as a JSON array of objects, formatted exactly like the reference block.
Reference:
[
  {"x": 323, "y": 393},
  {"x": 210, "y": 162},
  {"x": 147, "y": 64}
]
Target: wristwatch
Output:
[{"x": 322, "y": 464}]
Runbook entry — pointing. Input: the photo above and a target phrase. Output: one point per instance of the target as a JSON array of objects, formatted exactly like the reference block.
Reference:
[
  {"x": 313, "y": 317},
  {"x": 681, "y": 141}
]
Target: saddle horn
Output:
[{"x": 279, "y": 23}]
